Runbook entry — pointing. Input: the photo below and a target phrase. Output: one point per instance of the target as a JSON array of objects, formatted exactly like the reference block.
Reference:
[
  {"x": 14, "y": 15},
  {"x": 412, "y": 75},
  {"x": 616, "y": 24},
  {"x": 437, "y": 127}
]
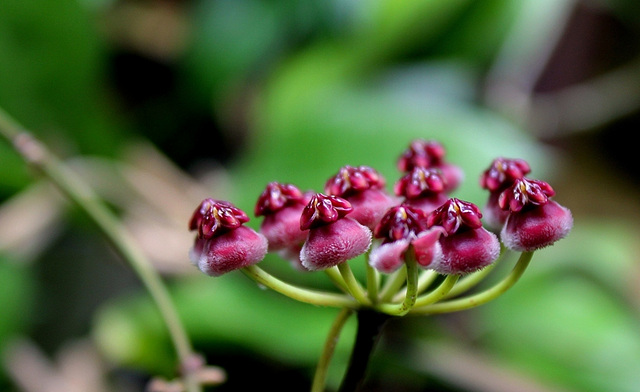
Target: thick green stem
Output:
[
  {"x": 39, "y": 158},
  {"x": 298, "y": 293},
  {"x": 320, "y": 377},
  {"x": 481, "y": 298},
  {"x": 370, "y": 326}
]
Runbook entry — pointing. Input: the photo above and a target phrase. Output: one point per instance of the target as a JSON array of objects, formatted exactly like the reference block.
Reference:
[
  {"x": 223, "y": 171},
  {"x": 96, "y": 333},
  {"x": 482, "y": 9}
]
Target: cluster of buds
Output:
[{"x": 355, "y": 214}]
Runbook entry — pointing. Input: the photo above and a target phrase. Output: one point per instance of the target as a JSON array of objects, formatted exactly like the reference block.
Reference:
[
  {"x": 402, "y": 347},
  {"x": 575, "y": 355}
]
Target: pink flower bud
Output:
[
  {"x": 331, "y": 244},
  {"x": 223, "y": 244}
]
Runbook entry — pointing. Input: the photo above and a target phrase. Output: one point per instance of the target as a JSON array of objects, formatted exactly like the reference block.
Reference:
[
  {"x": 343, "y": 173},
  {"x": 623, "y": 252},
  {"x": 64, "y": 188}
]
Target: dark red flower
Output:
[
  {"x": 401, "y": 227},
  {"x": 534, "y": 220},
  {"x": 466, "y": 246},
  {"x": 223, "y": 244},
  {"x": 333, "y": 237}
]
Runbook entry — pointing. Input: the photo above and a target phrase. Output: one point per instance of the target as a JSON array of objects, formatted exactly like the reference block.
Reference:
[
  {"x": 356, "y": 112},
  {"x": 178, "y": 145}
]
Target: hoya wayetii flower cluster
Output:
[{"x": 418, "y": 226}]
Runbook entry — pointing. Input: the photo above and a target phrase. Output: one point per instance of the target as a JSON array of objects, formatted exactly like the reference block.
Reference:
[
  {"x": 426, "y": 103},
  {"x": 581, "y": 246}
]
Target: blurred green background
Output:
[{"x": 159, "y": 103}]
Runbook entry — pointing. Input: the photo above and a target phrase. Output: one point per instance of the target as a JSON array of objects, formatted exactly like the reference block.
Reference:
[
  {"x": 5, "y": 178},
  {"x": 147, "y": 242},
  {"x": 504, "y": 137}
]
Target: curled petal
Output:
[
  {"x": 426, "y": 246},
  {"x": 389, "y": 257},
  {"x": 229, "y": 251},
  {"x": 332, "y": 244}
]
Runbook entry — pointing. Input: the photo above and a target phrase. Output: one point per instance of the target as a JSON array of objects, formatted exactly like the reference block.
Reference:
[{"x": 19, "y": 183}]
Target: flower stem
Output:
[
  {"x": 298, "y": 293},
  {"x": 320, "y": 377},
  {"x": 337, "y": 279},
  {"x": 468, "y": 282},
  {"x": 355, "y": 289},
  {"x": 425, "y": 278},
  {"x": 373, "y": 281},
  {"x": 370, "y": 326},
  {"x": 39, "y": 158},
  {"x": 482, "y": 297},
  {"x": 411, "y": 292},
  {"x": 393, "y": 284},
  {"x": 438, "y": 293}
]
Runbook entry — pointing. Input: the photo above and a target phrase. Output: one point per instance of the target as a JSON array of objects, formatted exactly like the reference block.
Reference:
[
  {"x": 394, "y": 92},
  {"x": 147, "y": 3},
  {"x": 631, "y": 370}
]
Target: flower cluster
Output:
[{"x": 355, "y": 214}]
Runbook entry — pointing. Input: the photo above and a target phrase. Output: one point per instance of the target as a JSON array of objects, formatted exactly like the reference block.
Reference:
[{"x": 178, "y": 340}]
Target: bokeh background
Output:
[{"x": 158, "y": 104}]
